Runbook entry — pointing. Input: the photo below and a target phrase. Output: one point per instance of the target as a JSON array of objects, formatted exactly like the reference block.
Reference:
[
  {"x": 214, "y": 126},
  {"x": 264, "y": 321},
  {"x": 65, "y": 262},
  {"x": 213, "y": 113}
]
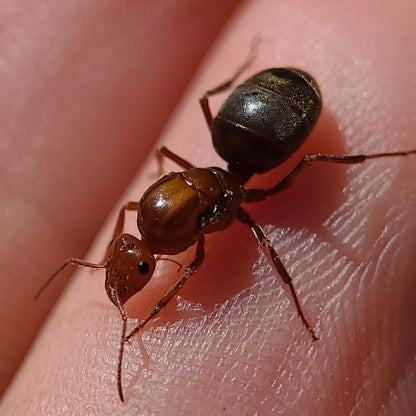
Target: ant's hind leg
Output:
[
  {"x": 265, "y": 242},
  {"x": 254, "y": 195},
  {"x": 203, "y": 101}
]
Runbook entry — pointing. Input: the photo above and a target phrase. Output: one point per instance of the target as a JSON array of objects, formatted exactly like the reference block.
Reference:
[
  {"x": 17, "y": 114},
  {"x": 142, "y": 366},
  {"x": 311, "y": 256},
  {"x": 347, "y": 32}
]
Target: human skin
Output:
[
  {"x": 233, "y": 343},
  {"x": 86, "y": 90}
]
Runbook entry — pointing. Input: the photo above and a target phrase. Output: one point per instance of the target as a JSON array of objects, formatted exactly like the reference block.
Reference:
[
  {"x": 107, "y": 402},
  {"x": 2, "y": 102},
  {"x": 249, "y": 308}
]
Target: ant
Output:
[{"x": 259, "y": 126}]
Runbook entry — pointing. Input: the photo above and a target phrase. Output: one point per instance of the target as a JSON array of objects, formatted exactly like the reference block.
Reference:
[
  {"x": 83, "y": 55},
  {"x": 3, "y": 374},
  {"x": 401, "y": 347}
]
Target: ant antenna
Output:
[{"x": 72, "y": 260}]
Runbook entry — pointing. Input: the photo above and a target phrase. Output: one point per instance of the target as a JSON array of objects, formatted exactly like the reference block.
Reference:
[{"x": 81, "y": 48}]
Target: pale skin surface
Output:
[
  {"x": 347, "y": 238},
  {"x": 86, "y": 90}
]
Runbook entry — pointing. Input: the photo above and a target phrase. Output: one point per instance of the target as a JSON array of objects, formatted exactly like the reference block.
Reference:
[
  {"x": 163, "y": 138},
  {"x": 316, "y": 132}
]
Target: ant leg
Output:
[
  {"x": 203, "y": 101},
  {"x": 72, "y": 260},
  {"x": 244, "y": 217},
  {"x": 254, "y": 195},
  {"x": 165, "y": 152},
  {"x": 128, "y": 206},
  {"x": 189, "y": 271}
]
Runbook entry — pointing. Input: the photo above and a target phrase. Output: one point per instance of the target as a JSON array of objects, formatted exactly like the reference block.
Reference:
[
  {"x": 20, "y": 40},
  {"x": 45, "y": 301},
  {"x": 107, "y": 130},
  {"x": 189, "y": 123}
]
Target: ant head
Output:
[{"x": 130, "y": 265}]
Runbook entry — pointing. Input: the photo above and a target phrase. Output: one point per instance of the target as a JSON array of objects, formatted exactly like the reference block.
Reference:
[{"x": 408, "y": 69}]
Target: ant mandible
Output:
[{"x": 260, "y": 125}]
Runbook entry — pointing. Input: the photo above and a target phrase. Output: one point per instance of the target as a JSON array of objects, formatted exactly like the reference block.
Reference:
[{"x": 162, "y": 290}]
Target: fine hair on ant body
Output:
[{"x": 259, "y": 126}]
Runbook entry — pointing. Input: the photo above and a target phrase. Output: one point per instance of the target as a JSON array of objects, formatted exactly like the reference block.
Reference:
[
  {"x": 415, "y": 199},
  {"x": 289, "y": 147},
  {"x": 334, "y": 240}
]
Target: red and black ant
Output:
[{"x": 260, "y": 125}]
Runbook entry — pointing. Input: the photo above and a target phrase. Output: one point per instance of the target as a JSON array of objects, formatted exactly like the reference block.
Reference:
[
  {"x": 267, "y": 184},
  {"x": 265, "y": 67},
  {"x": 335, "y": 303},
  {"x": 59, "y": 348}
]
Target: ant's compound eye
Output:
[{"x": 143, "y": 267}]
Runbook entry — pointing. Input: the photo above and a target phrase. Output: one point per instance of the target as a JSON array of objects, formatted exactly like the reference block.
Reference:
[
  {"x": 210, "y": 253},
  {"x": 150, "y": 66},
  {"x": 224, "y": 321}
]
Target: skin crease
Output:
[
  {"x": 233, "y": 343},
  {"x": 67, "y": 127}
]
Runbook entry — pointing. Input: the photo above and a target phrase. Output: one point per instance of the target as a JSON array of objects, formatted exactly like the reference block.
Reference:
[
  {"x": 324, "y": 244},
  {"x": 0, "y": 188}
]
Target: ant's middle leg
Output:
[
  {"x": 280, "y": 268},
  {"x": 128, "y": 206},
  {"x": 163, "y": 151},
  {"x": 254, "y": 195}
]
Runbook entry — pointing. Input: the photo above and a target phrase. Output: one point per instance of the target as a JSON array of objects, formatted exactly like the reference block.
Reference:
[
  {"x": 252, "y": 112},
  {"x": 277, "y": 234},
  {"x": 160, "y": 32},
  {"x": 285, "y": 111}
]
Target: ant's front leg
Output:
[{"x": 189, "y": 271}]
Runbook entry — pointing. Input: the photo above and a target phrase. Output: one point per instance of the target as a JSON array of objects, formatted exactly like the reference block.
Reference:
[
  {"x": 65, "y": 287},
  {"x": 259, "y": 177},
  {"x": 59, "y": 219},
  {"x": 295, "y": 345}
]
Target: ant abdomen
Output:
[{"x": 265, "y": 119}]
